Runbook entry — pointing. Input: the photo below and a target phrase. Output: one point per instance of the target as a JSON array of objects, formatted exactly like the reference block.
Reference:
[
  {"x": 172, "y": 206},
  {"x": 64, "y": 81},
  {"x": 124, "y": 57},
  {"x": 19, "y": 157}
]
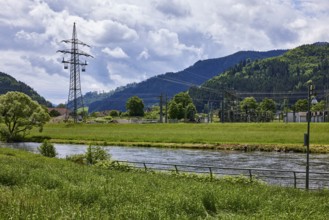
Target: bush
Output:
[
  {"x": 92, "y": 156},
  {"x": 96, "y": 154},
  {"x": 47, "y": 149},
  {"x": 77, "y": 158},
  {"x": 114, "y": 113},
  {"x": 108, "y": 118},
  {"x": 54, "y": 113}
]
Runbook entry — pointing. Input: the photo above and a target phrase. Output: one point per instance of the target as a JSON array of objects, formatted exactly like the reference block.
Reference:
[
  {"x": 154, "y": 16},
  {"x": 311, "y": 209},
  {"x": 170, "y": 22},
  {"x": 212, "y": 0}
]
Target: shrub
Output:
[
  {"x": 47, "y": 149},
  {"x": 77, "y": 158},
  {"x": 114, "y": 113},
  {"x": 96, "y": 154},
  {"x": 92, "y": 156},
  {"x": 54, "y": 113},
  {"x": 108, "y": 118}
]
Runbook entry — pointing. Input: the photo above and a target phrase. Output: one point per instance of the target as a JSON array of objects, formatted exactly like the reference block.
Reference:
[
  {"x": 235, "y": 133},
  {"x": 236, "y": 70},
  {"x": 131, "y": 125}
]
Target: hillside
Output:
[
  {"x": 173, "y": 83},
  {"x": 282, "y": 77},
  {"x": 8, "y": 83}
]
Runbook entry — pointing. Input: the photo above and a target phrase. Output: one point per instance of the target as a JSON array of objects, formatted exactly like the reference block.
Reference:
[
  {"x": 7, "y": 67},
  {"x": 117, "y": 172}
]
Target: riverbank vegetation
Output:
[
  {"x": 37, "y": 187},
  {"x": 229, "y": 136}
]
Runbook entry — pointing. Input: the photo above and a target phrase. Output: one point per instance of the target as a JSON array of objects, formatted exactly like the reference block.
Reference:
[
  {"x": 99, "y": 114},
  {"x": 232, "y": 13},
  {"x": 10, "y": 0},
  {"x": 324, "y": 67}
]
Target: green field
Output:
[
  {"x": 36, "y": 187},
  {"x": 261, "y": 136}
]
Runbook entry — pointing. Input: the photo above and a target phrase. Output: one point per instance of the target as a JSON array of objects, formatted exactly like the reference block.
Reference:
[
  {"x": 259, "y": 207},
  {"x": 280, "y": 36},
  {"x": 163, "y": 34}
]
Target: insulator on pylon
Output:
[
  {"x": 83, "y": 66},
  {"x": 66, "y": 66}
]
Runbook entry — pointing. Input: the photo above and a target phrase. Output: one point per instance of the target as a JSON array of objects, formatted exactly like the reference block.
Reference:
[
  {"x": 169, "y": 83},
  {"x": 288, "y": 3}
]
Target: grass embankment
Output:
[
  {"x": 36, "y": 187},
  {"x": 237, "y": 136}
]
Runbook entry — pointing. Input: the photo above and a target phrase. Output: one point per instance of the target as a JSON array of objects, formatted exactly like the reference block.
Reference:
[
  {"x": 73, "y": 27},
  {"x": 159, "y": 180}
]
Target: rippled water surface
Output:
[{"x": 265, "y": 160}]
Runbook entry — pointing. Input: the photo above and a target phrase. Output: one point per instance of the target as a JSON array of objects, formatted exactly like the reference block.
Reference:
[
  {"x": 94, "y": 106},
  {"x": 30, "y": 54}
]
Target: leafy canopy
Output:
[
  {"x": 135, "y": 106},
  {"x": 19, "y": 114},
  {"x": 181, "y": 106}
]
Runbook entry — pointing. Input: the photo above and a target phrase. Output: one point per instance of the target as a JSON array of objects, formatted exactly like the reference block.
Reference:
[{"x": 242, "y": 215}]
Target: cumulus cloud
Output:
[
  {"x": 115, "y": 53},
  {"x": 134, "y": 40}
]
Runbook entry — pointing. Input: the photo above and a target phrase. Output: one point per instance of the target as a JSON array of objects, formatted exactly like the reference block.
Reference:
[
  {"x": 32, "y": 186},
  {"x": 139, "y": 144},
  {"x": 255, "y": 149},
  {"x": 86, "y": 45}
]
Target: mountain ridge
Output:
[
  {"x": 172, "y": 83},
  {"x": 9, "y": 83},
  {"x": 280, "y": 78}
]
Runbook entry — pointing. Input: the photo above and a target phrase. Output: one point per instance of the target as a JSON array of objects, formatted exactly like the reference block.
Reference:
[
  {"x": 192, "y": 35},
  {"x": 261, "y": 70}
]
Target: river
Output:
[{"x": 236, "y": 159}]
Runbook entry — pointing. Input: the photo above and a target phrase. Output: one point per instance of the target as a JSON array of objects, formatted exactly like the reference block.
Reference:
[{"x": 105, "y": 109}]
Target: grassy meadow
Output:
[
  {"x": 256, "y": 136},
  {"x": 36, "y": 187}
]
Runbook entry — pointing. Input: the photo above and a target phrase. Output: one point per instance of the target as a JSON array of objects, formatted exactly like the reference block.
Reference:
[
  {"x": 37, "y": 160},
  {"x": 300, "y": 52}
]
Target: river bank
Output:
[
  {"x": 238, "y": 136},
  {"x": 30, "y": 182}
]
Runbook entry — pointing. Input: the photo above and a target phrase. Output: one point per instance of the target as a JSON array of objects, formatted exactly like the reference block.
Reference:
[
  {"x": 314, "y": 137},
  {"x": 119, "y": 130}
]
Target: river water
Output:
[{"x": 234, "y": 159}]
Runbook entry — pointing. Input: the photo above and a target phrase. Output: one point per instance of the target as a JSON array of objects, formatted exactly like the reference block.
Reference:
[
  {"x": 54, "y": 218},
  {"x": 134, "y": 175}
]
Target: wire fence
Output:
[{"x": 287, "y": 178}]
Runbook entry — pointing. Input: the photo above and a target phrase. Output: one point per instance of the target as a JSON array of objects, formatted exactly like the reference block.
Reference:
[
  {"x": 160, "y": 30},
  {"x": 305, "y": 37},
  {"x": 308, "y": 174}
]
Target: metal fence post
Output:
[
  {"x": 295, "y": 180},
  {"x": 145, "y": 166},
  {"x": 250, "y": 175},
  {"x": 176, "y": 169},
  {"x": 210, "y": 171}
]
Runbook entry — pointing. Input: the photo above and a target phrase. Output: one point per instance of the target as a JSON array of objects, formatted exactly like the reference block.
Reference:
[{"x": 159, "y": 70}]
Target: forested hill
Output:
[
  {"x": 278, "y": 77},
  {"x": 8, "y": 83},
  {"x": 173, "y": 83}
]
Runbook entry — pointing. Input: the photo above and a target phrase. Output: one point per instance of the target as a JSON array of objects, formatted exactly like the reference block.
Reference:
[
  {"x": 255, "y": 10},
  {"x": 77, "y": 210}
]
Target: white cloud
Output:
[
  {"x": 116, "y": 52},
  {"x": 144, "y": 55},
  {"x": 132, "y": 40}
]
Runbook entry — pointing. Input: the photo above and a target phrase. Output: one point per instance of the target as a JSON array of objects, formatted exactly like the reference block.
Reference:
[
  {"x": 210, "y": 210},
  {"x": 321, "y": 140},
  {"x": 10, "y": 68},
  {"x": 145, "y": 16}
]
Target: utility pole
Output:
[
  {"x": 222, "y": 117},
  {"x": 161, "y": 110},
  {"x": 166, "y": 116},
  {"x": 75, "y": 100},
  {"x": 310, "y": 101}
]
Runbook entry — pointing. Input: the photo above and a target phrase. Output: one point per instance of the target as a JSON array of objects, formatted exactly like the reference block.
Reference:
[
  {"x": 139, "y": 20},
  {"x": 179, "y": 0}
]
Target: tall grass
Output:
[
  {"x": 36, "y": 187},
  {"x": 260, "y": 135}
]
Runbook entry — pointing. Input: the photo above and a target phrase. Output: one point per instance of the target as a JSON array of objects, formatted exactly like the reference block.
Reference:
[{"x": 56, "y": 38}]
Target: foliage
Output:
[
  {"x": 190, "y": 112},
  {"x": 20, "y": 114},
  {"x": 135, "y": 106},
  {"x": 153, "y": 113},
  {"x": 301, "y": 105},
  {"x": 77, "y": 158},
  {"x": 267, "y": 105},
  {"x": 54, "y": 113},
  {"x": 181, "y": 106},
  {"x": 92, "y": 156},
  {"x": 173, "y": 111},
  {"x": 320, "y": 106},
  {"x": 95, "y": 154},
  {"x": 114, "y": 113},
  {"x": 29, "y": 183},
  {"x": 248, "y": 104},
  {"x": 47, "y": 149}
]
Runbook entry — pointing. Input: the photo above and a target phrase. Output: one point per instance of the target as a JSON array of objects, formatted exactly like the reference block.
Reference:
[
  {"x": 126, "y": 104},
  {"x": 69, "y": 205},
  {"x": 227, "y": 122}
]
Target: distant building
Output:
[{"x": 301, "y": 117}]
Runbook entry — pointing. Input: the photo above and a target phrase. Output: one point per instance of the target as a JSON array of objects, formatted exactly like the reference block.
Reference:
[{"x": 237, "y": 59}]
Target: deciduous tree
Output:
[
  {"x": 135, "y": 106},
  {"x": 19, "y": 114},
  {"x": 181, "y": 106}
]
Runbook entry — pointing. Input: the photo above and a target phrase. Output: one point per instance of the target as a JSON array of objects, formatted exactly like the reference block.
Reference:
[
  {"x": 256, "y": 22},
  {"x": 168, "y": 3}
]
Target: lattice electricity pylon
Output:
[{"x": 75, "y": 100}]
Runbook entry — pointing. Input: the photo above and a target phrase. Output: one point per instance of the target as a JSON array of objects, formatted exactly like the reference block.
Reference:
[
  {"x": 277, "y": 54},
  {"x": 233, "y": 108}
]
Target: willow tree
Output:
[{"x": 19, "y": 114}]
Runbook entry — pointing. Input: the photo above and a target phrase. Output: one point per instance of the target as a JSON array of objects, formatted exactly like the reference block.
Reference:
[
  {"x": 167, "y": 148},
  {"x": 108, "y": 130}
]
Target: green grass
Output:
[
  {"x": 36, "y": 187},
  {"x": 263, "y": 136}
]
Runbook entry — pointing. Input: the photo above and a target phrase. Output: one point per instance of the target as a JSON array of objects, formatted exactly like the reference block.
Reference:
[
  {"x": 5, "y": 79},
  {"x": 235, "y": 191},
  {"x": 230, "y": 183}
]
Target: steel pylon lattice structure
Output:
[{"x": 75, "y": 99}]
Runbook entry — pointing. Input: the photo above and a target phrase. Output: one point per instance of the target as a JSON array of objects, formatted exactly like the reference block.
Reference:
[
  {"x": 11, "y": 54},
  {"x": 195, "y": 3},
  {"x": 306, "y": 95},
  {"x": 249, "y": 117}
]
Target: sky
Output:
[{"x": 134, "y": 40}]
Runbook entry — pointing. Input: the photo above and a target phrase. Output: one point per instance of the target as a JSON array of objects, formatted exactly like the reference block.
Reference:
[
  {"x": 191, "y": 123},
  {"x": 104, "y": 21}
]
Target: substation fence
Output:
[{"x": 287, "y": 178}]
